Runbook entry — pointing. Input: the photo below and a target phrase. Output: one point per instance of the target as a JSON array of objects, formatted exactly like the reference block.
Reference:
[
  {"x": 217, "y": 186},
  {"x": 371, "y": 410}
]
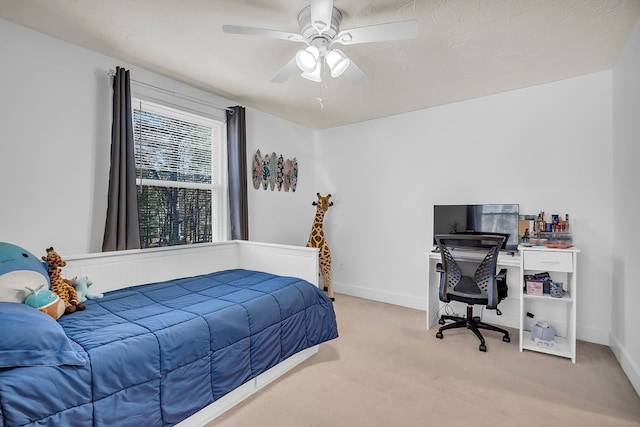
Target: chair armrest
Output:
[
  {"x": 494, "y": 294},
  {"x": 442, "y": 288}
]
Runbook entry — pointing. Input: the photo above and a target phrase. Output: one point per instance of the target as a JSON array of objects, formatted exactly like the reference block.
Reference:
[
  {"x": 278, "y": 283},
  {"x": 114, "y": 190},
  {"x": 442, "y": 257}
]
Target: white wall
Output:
[
  {"x": 546, "y": 147},
  {"x": 625, "y": 337},
  {"x": 51, "y": 149},
  {"x": 281, "y": 216},
  {"x": 55, "y": 137}
]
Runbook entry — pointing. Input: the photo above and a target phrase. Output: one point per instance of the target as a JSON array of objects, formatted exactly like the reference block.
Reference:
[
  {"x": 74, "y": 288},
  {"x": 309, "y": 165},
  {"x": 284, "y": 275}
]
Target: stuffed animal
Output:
[
  {"x": 60, "y": 286},
  {"x": 20, "y": 269},
  {"x": 46, "y": 301},
  {"x": 82, "y": 288}
]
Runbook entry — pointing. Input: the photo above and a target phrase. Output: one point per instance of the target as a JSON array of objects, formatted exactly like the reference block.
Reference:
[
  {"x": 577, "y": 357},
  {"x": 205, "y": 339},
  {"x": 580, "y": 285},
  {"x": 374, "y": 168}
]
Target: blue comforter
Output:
[{"x": 157, "y": 353}]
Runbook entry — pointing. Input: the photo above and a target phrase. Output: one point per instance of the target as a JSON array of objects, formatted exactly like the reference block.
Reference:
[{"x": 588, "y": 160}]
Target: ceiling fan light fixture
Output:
[
  {"x": 315, "y": 75},
  {"x": 307, "y": 59},
  {"x": 338, "y": 62}
]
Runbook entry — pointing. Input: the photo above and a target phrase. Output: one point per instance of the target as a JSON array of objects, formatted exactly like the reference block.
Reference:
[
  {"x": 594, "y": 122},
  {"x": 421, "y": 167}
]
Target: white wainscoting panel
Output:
[
  {"x": 119, "y": 269},
  {"x": 283, "y": 260}
]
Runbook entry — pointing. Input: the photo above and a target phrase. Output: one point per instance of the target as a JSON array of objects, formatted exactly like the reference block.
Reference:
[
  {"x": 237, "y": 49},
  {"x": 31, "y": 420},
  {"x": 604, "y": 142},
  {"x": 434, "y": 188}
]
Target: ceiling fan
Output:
[{"x": 319, "y": 25}]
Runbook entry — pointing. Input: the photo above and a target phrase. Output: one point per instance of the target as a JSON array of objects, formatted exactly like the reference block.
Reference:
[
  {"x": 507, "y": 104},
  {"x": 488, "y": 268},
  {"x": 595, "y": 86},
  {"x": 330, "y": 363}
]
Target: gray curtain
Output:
[
  {"x": 237, "y": 155},
  {"x": 122, "y": 229}
]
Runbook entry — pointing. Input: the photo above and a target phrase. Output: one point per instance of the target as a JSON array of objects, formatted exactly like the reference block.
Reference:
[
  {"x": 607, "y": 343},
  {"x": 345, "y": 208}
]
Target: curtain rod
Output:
[{"x": 111, "y": 73}]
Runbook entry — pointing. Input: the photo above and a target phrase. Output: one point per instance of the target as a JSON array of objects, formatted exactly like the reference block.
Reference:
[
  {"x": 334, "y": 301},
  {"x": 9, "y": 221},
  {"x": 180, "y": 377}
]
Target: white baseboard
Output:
[
  {"x": 628, "y": 365},
  {"x": 394, "y": 298},
  {"x": 594, "y": 335}
]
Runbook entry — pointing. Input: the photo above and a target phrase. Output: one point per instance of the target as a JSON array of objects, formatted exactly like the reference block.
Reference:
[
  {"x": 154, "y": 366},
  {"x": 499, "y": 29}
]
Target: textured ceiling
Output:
[{"x": 464, "y": 49}]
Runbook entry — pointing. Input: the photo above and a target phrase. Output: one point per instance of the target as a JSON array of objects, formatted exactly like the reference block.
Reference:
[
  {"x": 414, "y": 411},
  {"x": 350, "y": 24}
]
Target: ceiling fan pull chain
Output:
[
  {"x": 319, "y": 98},
  {"x": 323, "y": 85}
]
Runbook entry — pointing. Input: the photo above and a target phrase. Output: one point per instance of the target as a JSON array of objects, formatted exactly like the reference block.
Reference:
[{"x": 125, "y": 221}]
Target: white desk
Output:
[{"x": 558, "y": 312}]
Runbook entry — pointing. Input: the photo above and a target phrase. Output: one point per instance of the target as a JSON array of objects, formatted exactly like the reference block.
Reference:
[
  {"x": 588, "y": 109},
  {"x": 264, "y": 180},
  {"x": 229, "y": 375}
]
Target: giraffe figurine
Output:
[
  {"x": 62, "y": 287},
  {"x": 317, "y": 240}
]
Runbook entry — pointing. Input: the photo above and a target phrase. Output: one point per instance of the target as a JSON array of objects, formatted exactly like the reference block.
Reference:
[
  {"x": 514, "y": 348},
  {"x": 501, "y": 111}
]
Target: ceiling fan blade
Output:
[
  {"x": 262, "y": 32},
  {"x": 355, "y": 74},
  {"x": 378, "y": 33},
  {"x": 285, "y": 72},
  {"x": 321, "y": 11}
]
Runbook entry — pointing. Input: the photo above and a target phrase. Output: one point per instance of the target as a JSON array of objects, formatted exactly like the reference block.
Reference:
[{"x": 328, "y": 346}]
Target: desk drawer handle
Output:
[{"x": 549, "y": 261}]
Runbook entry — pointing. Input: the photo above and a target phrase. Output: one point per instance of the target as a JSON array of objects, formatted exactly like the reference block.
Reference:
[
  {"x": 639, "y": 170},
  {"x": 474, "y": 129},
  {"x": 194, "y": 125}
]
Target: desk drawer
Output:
[{"x": 548, "y": 261}]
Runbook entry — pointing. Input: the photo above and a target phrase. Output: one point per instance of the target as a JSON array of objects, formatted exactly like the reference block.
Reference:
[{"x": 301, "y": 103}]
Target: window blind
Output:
[
  {"x": 173, "y": 145},
  {"x": 183, "y": 153}
]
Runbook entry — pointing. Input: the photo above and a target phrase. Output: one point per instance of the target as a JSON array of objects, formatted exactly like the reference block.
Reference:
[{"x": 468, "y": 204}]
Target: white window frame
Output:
[{"x": 219, "y": 176}]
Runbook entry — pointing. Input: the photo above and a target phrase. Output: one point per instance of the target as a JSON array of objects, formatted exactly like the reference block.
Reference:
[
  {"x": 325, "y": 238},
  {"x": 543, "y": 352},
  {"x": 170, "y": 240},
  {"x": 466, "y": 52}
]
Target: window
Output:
[{"x": 181, "y": 185}]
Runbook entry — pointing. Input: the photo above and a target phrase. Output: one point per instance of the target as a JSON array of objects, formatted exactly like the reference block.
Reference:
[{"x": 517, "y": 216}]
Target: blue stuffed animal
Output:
[
  {"x": 82, "y": 289},
  {"x": 19, "y": 270},
  {"x": 24, "y": 279},
  {"x": 46, "y": 301}
]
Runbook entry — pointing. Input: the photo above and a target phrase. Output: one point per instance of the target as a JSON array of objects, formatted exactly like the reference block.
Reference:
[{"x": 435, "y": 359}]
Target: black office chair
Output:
[{"x": 477, "y": 286}]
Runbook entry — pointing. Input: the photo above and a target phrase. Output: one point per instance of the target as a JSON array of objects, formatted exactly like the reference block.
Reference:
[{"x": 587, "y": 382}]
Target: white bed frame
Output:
[{"x": 115, "y": 270}]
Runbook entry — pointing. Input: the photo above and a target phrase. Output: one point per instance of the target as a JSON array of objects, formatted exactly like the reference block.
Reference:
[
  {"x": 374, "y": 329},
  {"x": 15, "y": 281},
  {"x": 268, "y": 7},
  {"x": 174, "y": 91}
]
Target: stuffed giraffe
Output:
[
  {"x": 317, "y": 240},
  {"x": 62, "y": 287}
]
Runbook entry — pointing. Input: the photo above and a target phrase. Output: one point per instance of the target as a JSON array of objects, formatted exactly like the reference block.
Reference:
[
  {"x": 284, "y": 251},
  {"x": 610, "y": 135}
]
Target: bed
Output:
[{"x": 181, "y": 335}]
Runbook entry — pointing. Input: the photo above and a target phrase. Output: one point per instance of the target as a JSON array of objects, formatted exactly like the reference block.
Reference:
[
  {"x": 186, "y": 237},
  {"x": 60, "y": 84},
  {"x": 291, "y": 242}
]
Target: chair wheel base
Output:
[
  {"x": 483, "y": 348},
  {"x": 506, "y": 338},
  {"x": 441, "y": 321},
  {"x": 439, "y": 335}
]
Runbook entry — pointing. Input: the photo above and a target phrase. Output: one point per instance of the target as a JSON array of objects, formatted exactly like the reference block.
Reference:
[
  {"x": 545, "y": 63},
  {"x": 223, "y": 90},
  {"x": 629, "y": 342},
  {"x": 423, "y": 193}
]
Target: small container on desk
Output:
[
  {"x": 534, "y": 287},
  {"x": 557, "y": 239}
]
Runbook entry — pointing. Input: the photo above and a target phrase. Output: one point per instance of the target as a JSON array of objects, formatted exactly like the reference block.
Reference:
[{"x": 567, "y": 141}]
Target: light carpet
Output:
[{"x": 386, "y": 369}]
